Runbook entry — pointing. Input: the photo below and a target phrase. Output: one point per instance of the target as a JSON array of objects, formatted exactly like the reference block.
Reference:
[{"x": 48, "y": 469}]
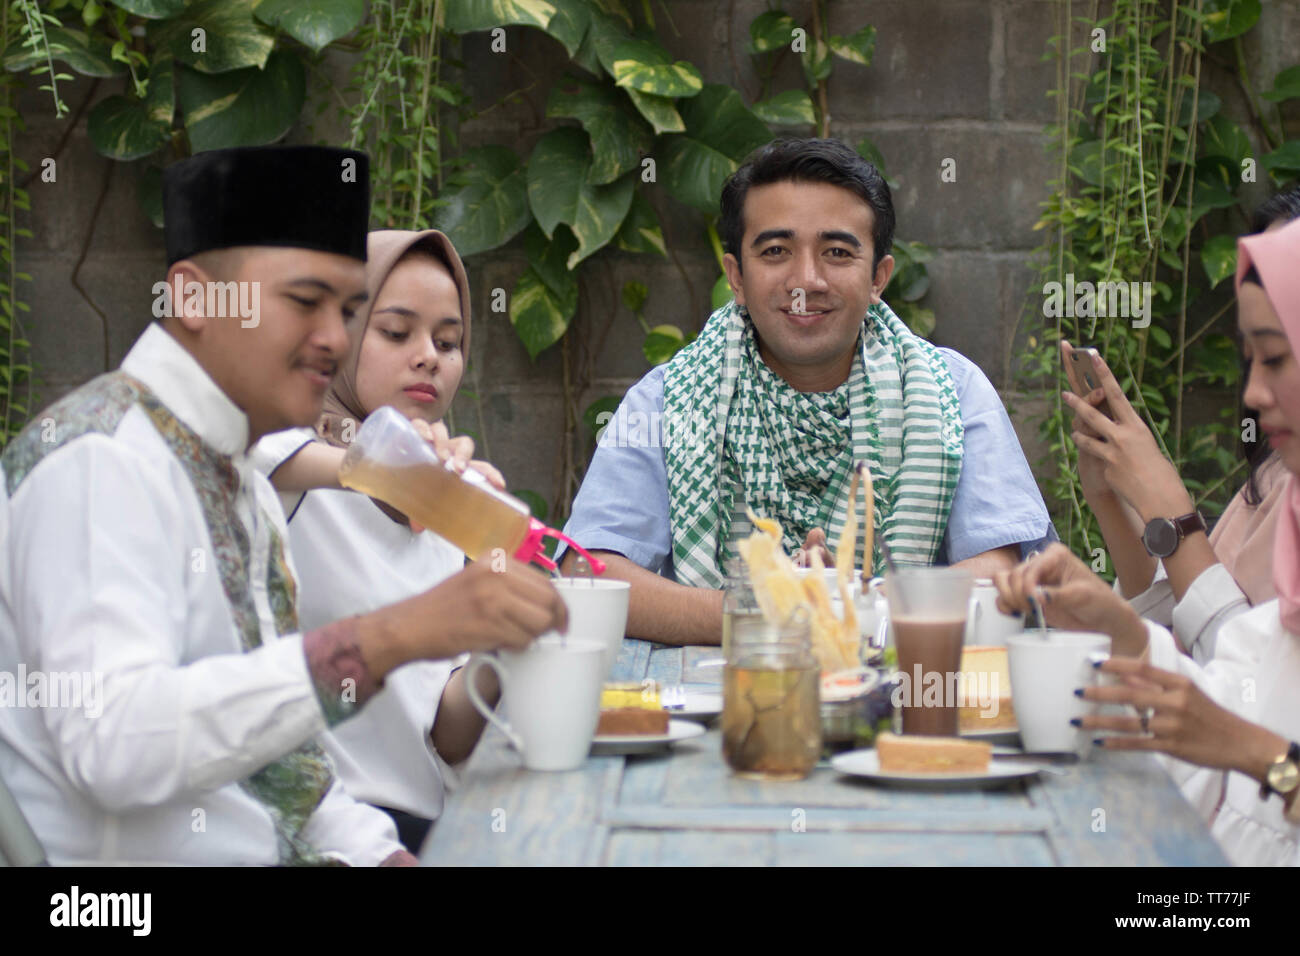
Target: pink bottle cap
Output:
[{"x": 534, "y": 544}]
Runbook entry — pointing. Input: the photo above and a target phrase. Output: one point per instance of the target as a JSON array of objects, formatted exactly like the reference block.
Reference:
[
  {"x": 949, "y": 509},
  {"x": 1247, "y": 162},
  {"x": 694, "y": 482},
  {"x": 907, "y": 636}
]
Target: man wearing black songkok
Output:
[{"x": 145, "y": 564}]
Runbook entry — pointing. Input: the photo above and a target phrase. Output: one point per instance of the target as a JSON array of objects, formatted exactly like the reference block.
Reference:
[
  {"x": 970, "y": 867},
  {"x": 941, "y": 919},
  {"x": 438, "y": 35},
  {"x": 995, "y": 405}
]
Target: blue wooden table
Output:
[{"x": 682, "y": 807}]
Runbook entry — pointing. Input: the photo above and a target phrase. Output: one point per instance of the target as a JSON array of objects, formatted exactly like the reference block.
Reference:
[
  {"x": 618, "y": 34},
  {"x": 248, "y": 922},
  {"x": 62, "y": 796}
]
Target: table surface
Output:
[{"x": 682, "y": 807}]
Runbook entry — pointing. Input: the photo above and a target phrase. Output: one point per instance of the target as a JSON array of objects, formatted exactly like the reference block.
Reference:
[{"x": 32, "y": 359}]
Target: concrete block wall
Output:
[{"x": 951, "y": 79}]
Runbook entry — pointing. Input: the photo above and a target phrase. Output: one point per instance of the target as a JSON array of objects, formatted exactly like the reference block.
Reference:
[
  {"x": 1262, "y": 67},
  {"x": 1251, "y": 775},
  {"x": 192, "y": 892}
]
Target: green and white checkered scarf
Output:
[{"x": 741, "y": 436}]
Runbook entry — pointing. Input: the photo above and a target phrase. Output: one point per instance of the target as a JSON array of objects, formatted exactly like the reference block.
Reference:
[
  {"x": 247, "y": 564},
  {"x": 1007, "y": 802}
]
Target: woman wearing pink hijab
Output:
[{"x": 1239, "y": 714}]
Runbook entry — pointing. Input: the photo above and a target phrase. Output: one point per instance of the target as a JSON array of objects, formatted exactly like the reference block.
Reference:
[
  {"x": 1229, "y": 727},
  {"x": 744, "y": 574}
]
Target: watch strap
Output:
[{"x": 1189, "y": 524}]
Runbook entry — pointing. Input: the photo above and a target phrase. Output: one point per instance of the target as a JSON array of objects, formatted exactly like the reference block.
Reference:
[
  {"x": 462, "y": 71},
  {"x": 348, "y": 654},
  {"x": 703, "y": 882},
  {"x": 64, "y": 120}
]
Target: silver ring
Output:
[{"x": 1145, "y": 715}]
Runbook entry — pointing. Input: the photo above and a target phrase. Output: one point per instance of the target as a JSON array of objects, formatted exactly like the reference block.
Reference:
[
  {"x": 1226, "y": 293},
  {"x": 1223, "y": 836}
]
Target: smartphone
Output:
[{"x": 1083, "y": 377}]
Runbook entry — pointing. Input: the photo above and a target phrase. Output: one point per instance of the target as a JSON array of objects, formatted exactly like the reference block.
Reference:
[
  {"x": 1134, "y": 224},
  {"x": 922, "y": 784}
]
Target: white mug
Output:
[
  {"x": 986, "y": 626},
  {"x": 1046, "y": 669},
  {"x": 551, "y": 697},
  {"x": 597, "y": 612}
]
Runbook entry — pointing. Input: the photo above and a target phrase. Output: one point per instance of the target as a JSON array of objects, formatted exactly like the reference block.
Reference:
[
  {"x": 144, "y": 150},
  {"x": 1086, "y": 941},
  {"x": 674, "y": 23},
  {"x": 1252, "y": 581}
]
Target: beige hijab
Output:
[{"x": 383, "y": 250}]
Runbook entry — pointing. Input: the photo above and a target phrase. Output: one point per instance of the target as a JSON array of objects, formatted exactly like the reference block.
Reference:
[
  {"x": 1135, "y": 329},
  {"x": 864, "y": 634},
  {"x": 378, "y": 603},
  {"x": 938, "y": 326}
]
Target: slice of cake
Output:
[
  {"x": 919, "y": 754},
  {"x": 987, "y": 684},
  {"x": 632, "y": 721}
]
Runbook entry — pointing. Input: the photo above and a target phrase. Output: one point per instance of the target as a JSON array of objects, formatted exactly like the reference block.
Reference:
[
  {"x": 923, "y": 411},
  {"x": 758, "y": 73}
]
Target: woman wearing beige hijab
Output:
[{"x": 409, "y": 345}]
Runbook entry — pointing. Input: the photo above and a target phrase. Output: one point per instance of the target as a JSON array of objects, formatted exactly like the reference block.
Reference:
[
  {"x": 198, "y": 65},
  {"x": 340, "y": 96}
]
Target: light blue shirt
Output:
[{"x": 622, "y": 505}]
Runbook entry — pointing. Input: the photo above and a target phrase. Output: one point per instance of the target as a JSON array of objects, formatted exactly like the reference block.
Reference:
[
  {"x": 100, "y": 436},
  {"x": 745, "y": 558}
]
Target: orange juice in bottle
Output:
[{"x": 389, "y": 460}]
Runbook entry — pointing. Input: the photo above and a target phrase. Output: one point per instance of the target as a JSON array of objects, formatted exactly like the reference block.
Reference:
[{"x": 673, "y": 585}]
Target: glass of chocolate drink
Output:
[
  {"x": 771, "y": 702},
  {"x": 927, "y": 610}
]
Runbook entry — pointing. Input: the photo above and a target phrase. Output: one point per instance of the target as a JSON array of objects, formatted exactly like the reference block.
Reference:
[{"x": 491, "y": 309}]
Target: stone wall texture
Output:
[{"x": 951, "y": 79}]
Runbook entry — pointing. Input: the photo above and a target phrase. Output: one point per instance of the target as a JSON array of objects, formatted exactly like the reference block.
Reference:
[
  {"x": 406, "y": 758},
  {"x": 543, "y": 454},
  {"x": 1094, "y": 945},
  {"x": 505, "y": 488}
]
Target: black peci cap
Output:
[{"x": 309, "y": 197}]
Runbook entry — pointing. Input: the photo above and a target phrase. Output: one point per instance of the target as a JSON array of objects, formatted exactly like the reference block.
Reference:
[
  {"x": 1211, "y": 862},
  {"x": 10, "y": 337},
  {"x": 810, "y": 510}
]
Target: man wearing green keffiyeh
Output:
[{"x": 805, "y": 372}]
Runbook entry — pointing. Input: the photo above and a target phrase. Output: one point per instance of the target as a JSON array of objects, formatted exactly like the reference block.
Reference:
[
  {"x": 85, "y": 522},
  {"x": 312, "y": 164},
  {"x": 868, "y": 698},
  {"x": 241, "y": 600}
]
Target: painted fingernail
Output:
[
  {"x": 1098, "y": 742},
  {"x": 1076, "y": 722},
  {"x": 1078, "y": 692},
  {"x": 1097, "y": 664},
  {"x": 1016, "y": 614}
]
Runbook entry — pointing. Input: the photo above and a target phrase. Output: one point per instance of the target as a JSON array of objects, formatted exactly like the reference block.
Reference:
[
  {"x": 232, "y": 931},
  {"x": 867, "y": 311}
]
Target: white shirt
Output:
[
  {"x": 1211, "y": 601},
  {"x": 351, "y": 559},
  {"x": 1255, "y": 674},
  {"x": 108, "y": 570}
]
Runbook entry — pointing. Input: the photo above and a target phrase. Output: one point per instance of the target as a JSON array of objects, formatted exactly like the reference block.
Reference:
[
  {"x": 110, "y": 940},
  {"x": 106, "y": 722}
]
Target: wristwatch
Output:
[
  {"x": 1163, "y": 535},
  {"x": 1283, "y": 774}
]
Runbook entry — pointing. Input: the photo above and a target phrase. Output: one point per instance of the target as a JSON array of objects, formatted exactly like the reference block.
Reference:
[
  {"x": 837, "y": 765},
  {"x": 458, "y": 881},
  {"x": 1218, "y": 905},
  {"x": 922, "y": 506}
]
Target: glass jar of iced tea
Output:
[{"x": 771, "y": 702}]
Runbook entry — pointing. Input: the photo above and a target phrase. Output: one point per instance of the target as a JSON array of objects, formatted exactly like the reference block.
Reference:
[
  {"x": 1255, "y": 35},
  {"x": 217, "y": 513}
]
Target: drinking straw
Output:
[{"x": 893, "y": 571}]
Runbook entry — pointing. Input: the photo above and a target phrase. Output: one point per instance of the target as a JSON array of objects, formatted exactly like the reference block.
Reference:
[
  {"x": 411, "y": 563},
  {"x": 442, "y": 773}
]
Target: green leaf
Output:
[
  {"x": 619, "y": 138},
  {"x": 535, "y": 502},
  {"x": 88, "y": 56},
  {"x": 548, "y": 258},
  {"x": 1224, "y": 138},
  {"x": 231, "y": 38},
  {"x": 1284, "y": 161},
  {"x": 149, "y": 194},
  {"x": 1219, "y": 257},
  {"x": 1207, "y": 105},
  {"x": 606, "y": 35},
  {"x": 770, "y": 31},
  {"x": 467, "y": 16},
  {"x": 1161, "y": 337},
  {"x": 248, "y": 107},
  {"x": 539, "y": 316},
  {"x": 634, "y": 295},
  {"x": 490, "y": 205},
  {"x": 911, "y": 279},
  {"x": 641, "y": 231},
  {"x": 857, "y": 47},
  {"x": 569, "y": 25},
  {"x": 816, "y": 60},
  {"x": 607, "y": 406},
  {"x": 313, "y": 23},
  {"x": 920, "y": 320},
  {"x": 1225, "y": 19},
  {"x": 658, "y": 79},
  {"x": 720, "y": 133},
  {"x": 659, "y": 111},
  {"x": 152, "y": 9},
  {"x": 791, "y": 108},
  {"x": 1286, "y": 85},
  {"x": 120, "y": 128},
  {"x": 160, "y": 101},
  {"x": 558, "y": 191},
  {"x": 721, "y": 293},
  {"x": 663, "y": 342},
  {"x": 872, "y": 154}
]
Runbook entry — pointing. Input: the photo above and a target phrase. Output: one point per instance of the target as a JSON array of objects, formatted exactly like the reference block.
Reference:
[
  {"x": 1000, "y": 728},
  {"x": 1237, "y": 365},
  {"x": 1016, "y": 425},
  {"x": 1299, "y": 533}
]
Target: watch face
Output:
[
  {"x": 1160, "y": 537},
  {"x": 1284, "y": 777}
]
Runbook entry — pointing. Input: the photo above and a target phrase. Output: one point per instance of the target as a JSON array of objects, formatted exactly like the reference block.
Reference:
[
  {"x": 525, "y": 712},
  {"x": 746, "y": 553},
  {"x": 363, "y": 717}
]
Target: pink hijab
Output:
[{"x": 1276, "y": 257}]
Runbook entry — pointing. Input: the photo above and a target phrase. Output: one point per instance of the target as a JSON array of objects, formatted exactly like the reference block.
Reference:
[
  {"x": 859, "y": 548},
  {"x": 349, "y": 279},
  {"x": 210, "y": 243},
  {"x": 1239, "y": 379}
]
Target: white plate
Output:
[
  {"x": 866, "y": 763},
  {"x": 646, "y": 743},
  {"x": 699, "y": 706}
]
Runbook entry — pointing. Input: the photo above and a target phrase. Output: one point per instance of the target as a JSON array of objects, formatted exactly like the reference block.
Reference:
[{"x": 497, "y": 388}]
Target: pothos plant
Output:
[
  {"x": 1149, "y": 191},
  {"x": 642, "y": 120},
  {"x": 195, "y": 74}
]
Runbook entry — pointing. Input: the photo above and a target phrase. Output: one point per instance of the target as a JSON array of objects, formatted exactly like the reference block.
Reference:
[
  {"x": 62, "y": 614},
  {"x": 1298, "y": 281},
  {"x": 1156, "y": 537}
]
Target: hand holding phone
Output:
[{"x": 1082, "y": 373}]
